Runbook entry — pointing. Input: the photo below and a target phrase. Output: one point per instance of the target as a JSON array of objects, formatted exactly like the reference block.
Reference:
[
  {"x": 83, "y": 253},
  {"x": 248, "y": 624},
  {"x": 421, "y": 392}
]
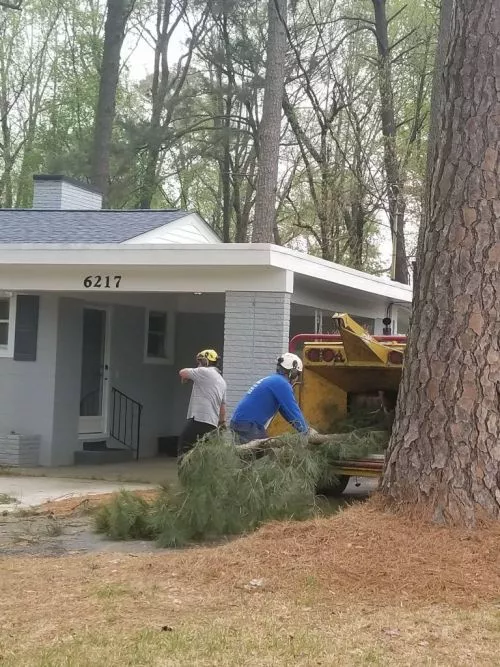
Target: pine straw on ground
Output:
[
  {"x": 365, "y": 569},
  {"x": 364, "y": 551},
  {"x": 360, "y": 550}
]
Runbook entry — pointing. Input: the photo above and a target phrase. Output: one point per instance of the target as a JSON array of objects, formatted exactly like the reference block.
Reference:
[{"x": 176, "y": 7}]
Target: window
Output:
[
  {"x": 159, "y": 336},
  {"x": 7, "y": 322}
]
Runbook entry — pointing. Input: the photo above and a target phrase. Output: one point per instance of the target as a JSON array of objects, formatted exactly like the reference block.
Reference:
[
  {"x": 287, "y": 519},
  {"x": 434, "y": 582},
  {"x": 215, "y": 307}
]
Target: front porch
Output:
[
  {"x": 117, "y": 392},
  {"x": 157, "y": 470},
  {"x": 92, "y": 355}
]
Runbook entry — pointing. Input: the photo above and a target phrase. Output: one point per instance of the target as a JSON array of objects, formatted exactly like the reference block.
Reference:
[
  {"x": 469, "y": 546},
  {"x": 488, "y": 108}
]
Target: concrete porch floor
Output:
[{"x": 148, "y": 471}]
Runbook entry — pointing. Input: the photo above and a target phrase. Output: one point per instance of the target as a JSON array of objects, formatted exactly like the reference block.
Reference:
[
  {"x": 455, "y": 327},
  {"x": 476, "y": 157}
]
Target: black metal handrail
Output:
[{"x": 125, "y": 425}]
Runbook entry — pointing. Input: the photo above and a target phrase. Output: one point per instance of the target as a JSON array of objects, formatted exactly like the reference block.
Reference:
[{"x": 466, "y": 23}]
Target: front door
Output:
[{"x": 95, "y": 372}]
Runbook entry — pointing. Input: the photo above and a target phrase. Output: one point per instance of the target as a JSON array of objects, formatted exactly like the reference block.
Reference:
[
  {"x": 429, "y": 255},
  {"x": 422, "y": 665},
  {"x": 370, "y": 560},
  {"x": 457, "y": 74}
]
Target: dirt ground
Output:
[
  {"x": 52, "y": 532},
  {"x": 60, "y": 528},
  {"x": 43, "y": 535}
]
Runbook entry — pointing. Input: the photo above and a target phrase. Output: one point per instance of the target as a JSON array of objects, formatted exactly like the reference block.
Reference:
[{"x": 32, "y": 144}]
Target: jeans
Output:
[
  {"x": 192, "y": 432},
  {"x": 247, "y": 431}
]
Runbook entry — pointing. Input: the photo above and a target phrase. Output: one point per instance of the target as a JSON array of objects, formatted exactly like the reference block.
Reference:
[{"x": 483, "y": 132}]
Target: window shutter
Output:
[{"x": 25, "y": 341}]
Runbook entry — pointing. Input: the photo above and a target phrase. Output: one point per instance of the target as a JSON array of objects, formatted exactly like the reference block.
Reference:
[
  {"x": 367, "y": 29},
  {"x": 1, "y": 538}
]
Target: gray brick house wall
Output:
[{"x": 256, "y": 330}]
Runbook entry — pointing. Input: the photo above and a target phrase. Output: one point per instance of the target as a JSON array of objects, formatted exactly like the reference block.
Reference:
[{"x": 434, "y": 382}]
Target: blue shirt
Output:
[{"x": 268, "y": 396}]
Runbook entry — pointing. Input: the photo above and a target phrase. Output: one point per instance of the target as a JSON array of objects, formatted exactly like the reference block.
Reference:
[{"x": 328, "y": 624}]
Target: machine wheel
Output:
[{"x": 334, "y": 488}]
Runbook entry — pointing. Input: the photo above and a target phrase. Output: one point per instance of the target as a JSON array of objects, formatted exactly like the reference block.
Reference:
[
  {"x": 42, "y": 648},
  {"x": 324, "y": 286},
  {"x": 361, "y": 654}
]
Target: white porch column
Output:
[{"x": 256, "y": 331}]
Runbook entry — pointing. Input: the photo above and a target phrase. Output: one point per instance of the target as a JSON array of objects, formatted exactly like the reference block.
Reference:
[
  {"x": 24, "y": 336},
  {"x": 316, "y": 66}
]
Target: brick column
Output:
[{"x": 256, "y": 331}]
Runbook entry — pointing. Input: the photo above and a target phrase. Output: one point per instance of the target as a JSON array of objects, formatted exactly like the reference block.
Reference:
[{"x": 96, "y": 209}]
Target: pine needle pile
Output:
[{"x": 222, "y": 493}]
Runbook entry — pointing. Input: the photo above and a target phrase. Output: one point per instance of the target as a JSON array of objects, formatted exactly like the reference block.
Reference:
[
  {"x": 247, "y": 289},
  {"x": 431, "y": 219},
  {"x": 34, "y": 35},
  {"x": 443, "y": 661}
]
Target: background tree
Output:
[
  {"x": 395, "y": 186},
  {"x": 117, "y": 14},
  {"x": 328, "y": 108},
  {"x": 444, "y": 451},
  {"x": 186, "y": 133},
  {"x": 270, "y": 126}
]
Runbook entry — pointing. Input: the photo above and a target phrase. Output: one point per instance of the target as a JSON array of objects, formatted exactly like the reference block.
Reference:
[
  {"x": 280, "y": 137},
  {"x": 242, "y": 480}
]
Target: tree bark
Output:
[
  {"x": 444, "y": 453},
  {"x": 270, "y": 126},
  {"x": 395, "y": 194},
  {"x": 117, "y": 15}
]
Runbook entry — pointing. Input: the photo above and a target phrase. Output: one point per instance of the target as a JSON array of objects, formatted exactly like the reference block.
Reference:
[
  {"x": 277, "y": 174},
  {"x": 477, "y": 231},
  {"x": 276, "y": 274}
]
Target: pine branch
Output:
[{"x": 11, "y": 5}]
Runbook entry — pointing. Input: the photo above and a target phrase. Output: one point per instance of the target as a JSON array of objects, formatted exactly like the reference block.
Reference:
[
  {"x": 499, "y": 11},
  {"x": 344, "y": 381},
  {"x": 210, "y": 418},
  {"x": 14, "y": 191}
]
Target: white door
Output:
[{"x": 94, "y": 389}]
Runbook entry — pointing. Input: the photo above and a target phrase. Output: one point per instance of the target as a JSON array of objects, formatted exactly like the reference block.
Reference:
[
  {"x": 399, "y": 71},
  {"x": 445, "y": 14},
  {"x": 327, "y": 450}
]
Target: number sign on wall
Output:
[{"x": 102, "y": 282}]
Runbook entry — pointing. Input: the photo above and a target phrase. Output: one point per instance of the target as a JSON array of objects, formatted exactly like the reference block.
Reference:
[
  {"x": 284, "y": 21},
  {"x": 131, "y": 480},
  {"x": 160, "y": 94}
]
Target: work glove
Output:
[{"x": 314, "y": 437}]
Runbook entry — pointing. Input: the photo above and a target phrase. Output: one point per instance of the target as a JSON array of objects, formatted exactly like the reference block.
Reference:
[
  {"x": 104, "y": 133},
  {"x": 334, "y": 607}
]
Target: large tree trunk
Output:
[
  {"x": 395, "y": 194},
  {"x": 118, "y": 12},
  {"x": 270, "y": 126},
  {"x": 445, "y": 450}
]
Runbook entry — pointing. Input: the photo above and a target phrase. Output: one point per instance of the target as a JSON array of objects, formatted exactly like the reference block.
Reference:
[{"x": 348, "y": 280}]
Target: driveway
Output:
[{"x": 18, "y": 492}]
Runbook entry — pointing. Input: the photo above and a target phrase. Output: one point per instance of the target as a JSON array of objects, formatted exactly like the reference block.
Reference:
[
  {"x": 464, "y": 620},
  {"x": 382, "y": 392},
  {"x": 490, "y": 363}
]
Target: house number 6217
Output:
[{"x": 102, "y": 282}]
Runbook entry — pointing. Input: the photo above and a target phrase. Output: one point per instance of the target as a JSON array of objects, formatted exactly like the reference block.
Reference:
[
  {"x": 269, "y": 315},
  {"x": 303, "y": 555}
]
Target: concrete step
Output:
[{"x": 108, "y": 455}]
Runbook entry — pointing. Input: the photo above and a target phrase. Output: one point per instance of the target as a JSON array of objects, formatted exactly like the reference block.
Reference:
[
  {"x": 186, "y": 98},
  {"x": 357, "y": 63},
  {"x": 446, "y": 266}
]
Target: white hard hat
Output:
[{"x": 290, "y": 362}]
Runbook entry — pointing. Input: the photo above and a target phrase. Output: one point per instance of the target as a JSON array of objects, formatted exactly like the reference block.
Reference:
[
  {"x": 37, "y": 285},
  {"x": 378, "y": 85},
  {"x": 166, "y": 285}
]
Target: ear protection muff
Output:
[{"x": 294, "y": 373}]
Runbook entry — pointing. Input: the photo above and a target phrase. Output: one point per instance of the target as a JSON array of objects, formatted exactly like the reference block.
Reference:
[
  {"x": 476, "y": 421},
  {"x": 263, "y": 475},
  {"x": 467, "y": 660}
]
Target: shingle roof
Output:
[{"x": 105, "y": 226}]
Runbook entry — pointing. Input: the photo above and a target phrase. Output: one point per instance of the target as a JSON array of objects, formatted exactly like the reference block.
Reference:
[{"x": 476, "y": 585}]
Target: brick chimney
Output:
[{"x": 57, "y": 193}]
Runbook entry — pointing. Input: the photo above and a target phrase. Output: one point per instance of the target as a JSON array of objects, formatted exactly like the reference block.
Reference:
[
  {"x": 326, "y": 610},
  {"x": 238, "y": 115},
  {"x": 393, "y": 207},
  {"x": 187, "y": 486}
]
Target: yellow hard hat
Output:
[{"x": 210, "y": 355}]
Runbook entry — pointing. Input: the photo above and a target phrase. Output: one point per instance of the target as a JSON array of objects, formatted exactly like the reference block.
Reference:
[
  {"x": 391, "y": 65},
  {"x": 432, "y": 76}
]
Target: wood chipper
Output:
[{"x": 345, "y": 372}]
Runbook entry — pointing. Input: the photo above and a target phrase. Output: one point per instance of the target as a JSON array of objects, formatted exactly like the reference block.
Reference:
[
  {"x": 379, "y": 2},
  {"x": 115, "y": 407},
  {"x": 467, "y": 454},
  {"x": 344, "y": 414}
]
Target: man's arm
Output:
[
  {"x": 188, "y": 374},
  {"x": 222, "y": 414},
  {"x": 289, "y": 408}
]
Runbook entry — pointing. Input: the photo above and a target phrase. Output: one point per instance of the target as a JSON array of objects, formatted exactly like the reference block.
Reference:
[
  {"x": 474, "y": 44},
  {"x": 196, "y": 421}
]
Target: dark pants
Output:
[
  {"x": 190, "y": 435},
  {"x": 247, "y": 431}
]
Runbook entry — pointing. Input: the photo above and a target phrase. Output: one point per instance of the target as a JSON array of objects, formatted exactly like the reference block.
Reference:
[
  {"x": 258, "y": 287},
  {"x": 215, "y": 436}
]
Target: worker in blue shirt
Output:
[{"x": 272, "y": 394}]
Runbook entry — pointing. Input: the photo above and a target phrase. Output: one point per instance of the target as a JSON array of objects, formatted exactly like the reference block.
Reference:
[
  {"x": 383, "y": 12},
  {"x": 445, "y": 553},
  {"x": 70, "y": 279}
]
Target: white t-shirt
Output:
[{"x": 209, "y": 392}]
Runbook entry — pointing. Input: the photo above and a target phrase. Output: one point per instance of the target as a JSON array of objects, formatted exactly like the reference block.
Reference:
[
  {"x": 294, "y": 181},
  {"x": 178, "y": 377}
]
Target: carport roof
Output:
[{"x": 217, "y": 256}]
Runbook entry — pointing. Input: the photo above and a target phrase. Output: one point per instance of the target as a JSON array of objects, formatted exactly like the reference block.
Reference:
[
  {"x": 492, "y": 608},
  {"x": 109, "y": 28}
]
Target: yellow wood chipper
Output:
[{"x": 343, "y": 373}]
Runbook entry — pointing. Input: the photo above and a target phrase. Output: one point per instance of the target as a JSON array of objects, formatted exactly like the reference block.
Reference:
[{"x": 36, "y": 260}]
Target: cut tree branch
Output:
[{"x": 11, "y": 5}]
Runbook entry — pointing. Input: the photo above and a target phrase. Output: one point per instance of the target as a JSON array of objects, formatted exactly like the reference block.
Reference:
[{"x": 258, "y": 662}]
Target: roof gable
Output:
[
  {"x": 191, "y": 229},
  {"x": 89, "y": 226}
]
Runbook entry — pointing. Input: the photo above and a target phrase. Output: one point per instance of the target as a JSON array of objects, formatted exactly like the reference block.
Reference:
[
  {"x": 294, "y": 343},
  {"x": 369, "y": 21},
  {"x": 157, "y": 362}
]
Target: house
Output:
[{"x": 99, "y": 309}]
